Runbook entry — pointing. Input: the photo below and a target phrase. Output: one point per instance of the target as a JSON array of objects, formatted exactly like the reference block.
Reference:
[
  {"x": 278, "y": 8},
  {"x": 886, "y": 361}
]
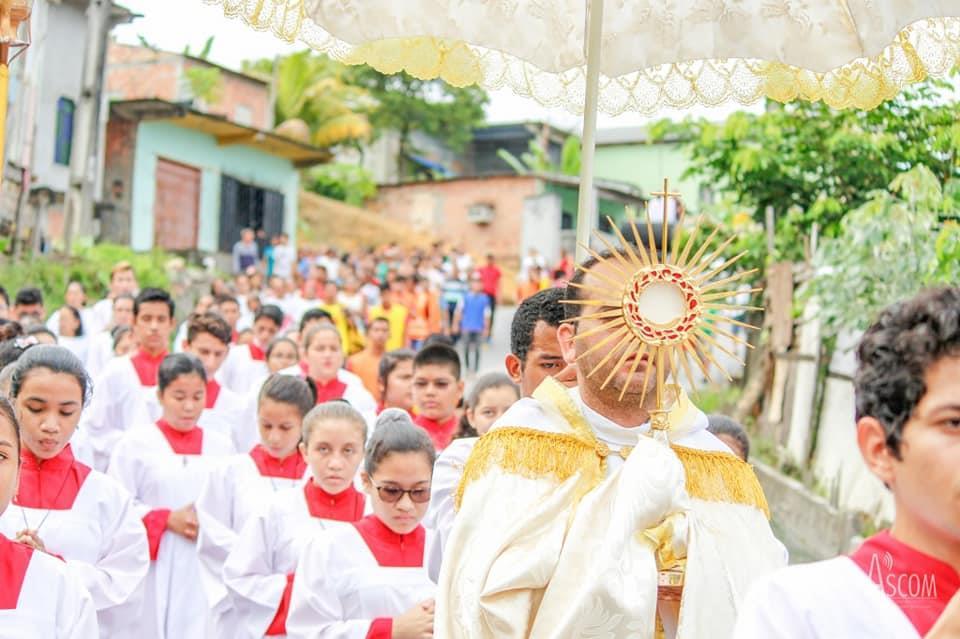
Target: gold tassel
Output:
[
  {"x": 716, "y": 476},
  {"x": 533, "y": 454}
]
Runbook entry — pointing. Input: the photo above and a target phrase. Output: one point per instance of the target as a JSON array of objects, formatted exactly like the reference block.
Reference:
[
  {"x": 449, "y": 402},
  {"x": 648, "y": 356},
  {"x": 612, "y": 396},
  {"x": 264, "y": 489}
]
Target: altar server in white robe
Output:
[
  {"x": 123, "y": 281},
  {"x": 39, "y": 595},
  {"x": 165, "y": 465},
  {"x": 260, "y": 569},
  {"x": 900, "y": 582},
  {"x": 250, "y": 482},
  {"x": 323, "y": 363},
  {"x": 101, "y": 344},
  {"x": 491, "y": 396},
  {"x": 368, "y": 579},
  {"x": 599, "y": 512},
  {"x": 226, "y": 412},
  {"x": 246, "y": 364},
  {"x": 125, "y": 394},
  {"x": 62, "y": 506}
]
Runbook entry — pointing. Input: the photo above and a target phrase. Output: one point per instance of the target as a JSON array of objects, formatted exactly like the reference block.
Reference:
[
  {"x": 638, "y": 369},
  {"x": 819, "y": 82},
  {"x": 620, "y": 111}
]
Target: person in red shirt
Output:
[
  {"x": 490, "y": 275},
  {"x": 437, "y": 389}
]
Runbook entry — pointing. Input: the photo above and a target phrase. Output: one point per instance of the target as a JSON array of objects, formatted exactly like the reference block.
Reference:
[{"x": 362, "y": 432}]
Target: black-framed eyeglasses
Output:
[{"x": 393, "y": 494}]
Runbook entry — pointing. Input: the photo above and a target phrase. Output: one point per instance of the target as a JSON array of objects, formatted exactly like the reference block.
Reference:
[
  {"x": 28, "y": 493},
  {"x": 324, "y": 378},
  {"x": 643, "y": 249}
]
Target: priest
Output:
[
  {"x": 900, "y": 581},
  {"x": 575, "y": 522}
]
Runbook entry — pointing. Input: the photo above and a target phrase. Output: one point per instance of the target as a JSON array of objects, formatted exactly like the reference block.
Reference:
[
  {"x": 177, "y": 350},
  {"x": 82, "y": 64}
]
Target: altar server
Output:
[
  {"x": 323, "y": 363},
  {"x": 40, "y": 596},
  {"x": 246, "y": 363},
  {"x": 62, "y": 506},
  {"x": 250, "y": 482},
  {"x": 367, "y": 579},
  {"x": 126, "y": 392},
  {"x": 259, "y": 570},
  {"x": 899, "y": 583},
  {"x": 164, "y": 465}
]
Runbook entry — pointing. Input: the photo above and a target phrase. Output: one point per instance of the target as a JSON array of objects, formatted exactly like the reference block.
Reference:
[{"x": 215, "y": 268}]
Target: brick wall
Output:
[
  {"x": 441, "y": 208},
  {"x": 139, "y": 73}
]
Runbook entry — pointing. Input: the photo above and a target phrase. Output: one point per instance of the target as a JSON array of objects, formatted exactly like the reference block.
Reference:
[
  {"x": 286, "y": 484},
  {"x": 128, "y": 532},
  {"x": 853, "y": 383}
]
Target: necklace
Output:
[{"x": 43, "y": 520}]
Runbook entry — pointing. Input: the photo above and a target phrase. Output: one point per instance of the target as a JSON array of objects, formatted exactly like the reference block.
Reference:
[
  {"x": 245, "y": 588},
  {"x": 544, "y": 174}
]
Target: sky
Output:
[{"x": 174, "y": 24}]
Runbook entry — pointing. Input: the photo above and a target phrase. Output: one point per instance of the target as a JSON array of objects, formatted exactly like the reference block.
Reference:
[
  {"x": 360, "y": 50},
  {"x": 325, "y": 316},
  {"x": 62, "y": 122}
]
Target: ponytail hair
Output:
[{"x": 289, "y": 389}]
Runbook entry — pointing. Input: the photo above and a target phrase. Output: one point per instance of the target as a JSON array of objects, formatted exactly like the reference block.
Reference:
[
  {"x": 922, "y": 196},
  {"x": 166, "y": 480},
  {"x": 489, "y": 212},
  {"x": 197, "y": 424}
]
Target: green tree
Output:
[
  {"x": 813, "y": 164},
  {"x": 901, "y": 240},
  {"x": 315, "y": 90},
  {"x": 345, "y": 182},
  {"x": 406, "y": 104},
  {"x": 536, "y": 159},
  {"x": 206, "y": 82}
]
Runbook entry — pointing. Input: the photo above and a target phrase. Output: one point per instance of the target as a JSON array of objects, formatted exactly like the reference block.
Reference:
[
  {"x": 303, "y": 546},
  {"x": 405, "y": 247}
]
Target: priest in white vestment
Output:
[{"x": 571, "y": 515}]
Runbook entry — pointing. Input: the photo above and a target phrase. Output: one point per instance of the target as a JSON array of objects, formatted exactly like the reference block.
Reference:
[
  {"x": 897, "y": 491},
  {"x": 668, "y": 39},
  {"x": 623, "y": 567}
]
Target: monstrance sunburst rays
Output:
[{"x": 663, "y": 305}]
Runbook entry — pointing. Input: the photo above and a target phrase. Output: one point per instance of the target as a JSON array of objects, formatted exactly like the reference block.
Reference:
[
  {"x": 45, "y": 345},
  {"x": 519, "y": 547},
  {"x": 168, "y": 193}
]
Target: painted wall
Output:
[
  {"x": 645, "y": 165},
  {"x": 164, "y": 139}
]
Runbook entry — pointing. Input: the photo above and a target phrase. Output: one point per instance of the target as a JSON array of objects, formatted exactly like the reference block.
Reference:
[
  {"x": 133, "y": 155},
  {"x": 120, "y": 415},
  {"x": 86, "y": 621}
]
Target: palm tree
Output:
[{"x": 312, "y": 99}]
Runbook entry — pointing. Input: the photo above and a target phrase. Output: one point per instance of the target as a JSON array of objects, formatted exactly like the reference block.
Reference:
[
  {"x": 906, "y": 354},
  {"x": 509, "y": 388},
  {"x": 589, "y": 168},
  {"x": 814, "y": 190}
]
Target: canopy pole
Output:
[{"x": 587, "y": 206}]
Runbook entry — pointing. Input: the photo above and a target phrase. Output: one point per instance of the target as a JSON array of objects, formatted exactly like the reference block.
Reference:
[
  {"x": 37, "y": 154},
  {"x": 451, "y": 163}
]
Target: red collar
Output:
[
  {"x": 257, "y": 353},
  {"x": 50, "y": 483},
  {"x": 920, "y": 585},
  {"x": 344, "y": 506},
  {"x": 233, "y": 336},
  {"x": 14, "y": 561},
  {"x": 390, "y": 549},
  {"x": 329, "y": 391},
  {"x": 290, "y": 467},
  {"x": 182, "y": 442},
  {"x": 213, "y": 392},
  {"x": 440, "y": 432},
  {"x": 147, "y": 366}
]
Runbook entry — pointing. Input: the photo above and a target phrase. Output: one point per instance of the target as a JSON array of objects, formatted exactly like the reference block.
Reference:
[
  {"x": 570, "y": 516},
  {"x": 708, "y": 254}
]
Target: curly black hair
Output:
[
  {"x": 896, "y": 352},
  {"x": 544, "y": 306}
]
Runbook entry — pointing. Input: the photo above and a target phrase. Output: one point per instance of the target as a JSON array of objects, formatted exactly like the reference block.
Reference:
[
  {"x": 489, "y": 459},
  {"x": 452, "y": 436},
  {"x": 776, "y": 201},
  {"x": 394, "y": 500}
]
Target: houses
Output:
[{"x": 183, "y": 157}]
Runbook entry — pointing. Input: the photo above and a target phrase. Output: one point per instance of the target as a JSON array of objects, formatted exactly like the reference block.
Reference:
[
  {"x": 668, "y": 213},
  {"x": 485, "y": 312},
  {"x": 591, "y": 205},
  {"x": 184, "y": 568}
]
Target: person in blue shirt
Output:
[{"x": 473, "y": 317}]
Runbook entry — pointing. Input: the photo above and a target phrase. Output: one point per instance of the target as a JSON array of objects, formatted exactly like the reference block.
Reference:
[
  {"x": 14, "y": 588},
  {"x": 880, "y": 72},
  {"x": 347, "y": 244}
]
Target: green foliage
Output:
[
  {"x": 90, "y": 266},
  {"x": 315, "y": 89},
  {"x": 536, "y": 159},
  {"x": 345, "y": 182},
  {"x": 717, "y": 399},
  {"x": 204, "y": 53},
  {"x": 406, "y": 104},
  {"x": 206, "y": 83},
  {"x": 813, "y": 164},
  {"x": 901, "y": 240}
]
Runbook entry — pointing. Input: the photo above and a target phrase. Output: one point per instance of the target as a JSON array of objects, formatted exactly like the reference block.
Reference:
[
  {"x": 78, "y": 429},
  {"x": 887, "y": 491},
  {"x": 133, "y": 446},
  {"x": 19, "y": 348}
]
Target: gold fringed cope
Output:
[
  {"x": 534, "y": 454},
  {"x": 717, "y": 476}
]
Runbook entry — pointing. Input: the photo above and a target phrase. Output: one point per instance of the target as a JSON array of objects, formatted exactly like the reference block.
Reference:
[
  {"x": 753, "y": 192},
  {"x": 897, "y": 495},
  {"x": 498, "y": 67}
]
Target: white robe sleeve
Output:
[
  {"x": 127, "y": 468},
  {"x": 769, "y": 611},
  {"x": 316, "y": 611},
  {"x": 76, "y": 616},
  {"x": 116, "y": 406},
  {"x": 217, "y": 535},
  {"x": 255, "y": 587},
  {"x": 115, "y": 579},
  {"x": 447, "y": 473}
]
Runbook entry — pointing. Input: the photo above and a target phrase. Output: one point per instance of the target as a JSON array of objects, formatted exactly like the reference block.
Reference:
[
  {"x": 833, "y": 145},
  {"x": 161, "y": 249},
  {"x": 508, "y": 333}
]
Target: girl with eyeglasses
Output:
[
  {"x": 164, "y": 465},
  {"x": 64, "y": 508},
  {"x": 250, "y": 482},
  {"x": 31, "y": 580},
  {"x": 367, "y": 580},
  {"x": 259, "y": 570}
]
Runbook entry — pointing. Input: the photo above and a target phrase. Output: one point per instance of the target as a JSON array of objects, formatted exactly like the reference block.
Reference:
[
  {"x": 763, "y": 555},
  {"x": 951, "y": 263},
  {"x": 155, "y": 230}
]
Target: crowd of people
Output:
[{"x": 305, "y": 457}]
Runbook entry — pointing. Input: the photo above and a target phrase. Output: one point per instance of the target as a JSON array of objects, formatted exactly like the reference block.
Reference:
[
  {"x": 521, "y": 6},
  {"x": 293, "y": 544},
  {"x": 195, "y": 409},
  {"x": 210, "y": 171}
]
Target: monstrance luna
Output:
[{"x": 662, "y": 305}]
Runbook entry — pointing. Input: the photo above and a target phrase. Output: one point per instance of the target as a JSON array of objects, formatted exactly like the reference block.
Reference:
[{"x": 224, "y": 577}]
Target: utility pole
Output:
[{"x": 80, "y": 196}]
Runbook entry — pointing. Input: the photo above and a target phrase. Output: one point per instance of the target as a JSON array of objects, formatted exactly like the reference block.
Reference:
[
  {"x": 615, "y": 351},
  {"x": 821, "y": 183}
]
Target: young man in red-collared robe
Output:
[
  {"x": 437, "y": 390},
  {"x": 246, "y": 364},
  {"x": 227, "y": 412},
  {"x": 900, "y": 581},
  {"x": 125, "y": 393}
]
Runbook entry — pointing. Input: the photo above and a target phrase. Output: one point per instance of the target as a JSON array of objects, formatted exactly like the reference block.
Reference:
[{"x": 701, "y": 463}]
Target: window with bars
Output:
[{"x": 64, "y": 133}]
